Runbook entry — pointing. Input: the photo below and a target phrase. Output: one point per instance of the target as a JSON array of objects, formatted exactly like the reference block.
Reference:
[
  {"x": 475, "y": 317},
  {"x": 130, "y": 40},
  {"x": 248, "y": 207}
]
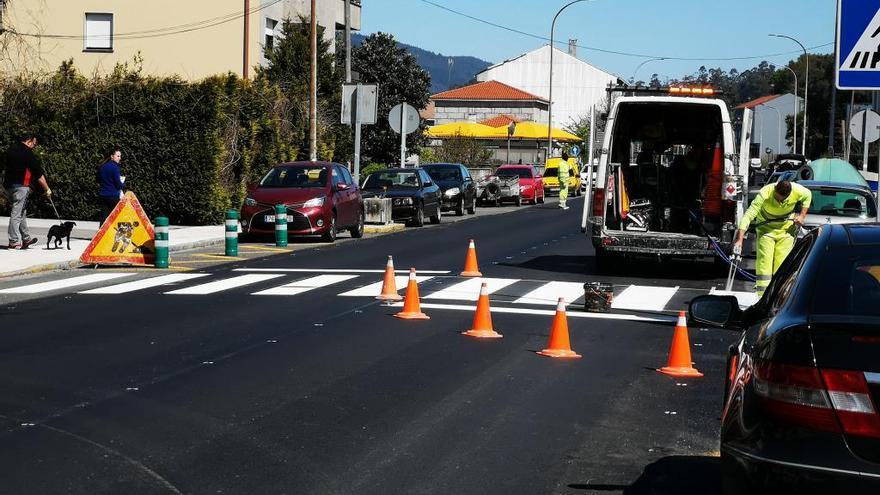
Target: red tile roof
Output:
[
  {"x": 500, "y": 120},
  {"x": 758, "y": 101},
  {"x": 488, "y": 90}
]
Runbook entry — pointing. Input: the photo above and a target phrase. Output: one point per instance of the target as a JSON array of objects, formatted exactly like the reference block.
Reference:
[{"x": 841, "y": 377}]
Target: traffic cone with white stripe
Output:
[
  {"x": 680, "y": 364},
  {"x": 559, "y": 345},
  {"x": 412, "y": 309},
  {"x": 389, "y": 284},
  {"x": 482, "y": 327},
  {"x": 470, "y": 262}
]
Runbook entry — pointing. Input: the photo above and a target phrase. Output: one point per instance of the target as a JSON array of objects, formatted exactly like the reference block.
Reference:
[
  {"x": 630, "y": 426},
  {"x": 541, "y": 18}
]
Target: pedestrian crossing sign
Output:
[
  {"x": 858, "y": 44},
  {"x": 125, "y": 238}
]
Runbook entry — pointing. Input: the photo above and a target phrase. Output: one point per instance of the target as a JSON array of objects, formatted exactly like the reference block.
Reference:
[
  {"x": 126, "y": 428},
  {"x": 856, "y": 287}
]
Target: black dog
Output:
[{"x": 60, "y": 232}]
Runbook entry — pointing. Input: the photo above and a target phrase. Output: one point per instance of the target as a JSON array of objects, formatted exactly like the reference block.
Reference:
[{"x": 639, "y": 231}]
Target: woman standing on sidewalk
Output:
[{"x": 111, "y": 183}]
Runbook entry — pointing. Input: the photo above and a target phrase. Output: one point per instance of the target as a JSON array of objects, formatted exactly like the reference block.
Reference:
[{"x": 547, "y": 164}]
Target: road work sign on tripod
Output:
[{"x": 858, "y": 44}]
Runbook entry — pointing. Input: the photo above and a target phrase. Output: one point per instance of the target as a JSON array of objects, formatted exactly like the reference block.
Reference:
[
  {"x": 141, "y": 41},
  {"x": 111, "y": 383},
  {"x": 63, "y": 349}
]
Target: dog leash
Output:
[{"x": 53, "y": 207}]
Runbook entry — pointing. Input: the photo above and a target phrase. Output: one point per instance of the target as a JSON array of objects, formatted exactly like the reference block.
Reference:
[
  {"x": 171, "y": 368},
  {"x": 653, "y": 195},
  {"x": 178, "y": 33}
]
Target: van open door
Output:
[{"x": 745, "y": 144}]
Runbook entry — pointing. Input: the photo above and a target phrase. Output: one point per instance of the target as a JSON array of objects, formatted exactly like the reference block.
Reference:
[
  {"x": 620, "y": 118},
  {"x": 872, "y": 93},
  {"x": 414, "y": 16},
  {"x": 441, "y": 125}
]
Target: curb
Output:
[
  {"x": 384, "y": 229},
  {"x": 69, "y": 265}
]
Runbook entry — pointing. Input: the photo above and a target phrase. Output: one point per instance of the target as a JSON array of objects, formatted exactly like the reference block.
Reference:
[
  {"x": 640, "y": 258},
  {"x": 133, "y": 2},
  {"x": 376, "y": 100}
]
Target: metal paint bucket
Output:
[{"x": 598, "y": 297}]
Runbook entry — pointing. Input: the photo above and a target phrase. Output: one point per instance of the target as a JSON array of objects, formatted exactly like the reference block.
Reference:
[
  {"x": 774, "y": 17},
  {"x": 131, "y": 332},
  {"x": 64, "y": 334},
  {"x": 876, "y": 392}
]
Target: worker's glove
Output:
[
  {"x": 737, "y": 249},
  {"x": 48, "y": 193}
]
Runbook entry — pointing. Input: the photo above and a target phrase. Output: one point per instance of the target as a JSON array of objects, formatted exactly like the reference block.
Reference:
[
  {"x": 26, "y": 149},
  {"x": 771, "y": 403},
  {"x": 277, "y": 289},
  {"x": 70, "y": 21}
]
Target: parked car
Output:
[
  {"x": 531, "y": 185},
  {"x": 413, "y": 193},
  {"x": 321, "y": 199},
  {"x": 457, "y": 185},
  {"x": 802, "y": 390},
  {"x": 837, "y": 202}
]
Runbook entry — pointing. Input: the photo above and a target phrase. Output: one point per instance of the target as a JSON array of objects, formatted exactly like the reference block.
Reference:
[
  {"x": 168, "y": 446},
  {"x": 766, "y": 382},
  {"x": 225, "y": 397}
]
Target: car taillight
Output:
[
  {"x": 598, "y": 202},
  {"x": 852, "y": 402},
  {"x": 818, "y": 399}
]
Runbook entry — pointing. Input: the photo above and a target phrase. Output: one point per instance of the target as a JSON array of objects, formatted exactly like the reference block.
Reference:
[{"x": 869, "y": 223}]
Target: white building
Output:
[
  {"x": 769, "y": 121},
  {"x": 577, "y": 85}
]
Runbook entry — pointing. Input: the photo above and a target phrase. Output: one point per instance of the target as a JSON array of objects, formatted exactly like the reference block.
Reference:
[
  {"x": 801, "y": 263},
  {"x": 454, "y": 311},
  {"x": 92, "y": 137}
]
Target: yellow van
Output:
[{"x": 551, "y": 177}]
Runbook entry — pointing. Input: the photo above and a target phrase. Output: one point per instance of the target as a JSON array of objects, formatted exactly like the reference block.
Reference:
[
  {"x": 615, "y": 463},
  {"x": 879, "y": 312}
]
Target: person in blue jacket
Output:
[{"x": 110, "y": 181}]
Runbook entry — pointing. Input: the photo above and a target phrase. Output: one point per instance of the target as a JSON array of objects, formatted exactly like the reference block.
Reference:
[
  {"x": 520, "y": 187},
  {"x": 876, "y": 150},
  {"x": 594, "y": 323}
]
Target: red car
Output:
[
  {"x": 530, "y": 184},
  {"x": 321, "y": 199}
]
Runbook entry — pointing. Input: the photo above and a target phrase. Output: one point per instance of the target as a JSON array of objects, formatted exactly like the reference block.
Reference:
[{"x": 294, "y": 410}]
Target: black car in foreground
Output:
[
  {"x": 459, "y": 192},
  {"x": 413, "y": 193},
  {"x": 802, "y": 394}
]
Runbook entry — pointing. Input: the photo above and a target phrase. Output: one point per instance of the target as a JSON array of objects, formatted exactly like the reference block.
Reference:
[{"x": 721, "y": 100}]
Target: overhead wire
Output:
[{"x": 615, "y": 52}]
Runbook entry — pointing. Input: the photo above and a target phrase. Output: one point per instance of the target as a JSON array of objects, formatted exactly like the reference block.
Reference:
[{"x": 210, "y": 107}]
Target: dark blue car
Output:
[{"x": 413, "y": 193}]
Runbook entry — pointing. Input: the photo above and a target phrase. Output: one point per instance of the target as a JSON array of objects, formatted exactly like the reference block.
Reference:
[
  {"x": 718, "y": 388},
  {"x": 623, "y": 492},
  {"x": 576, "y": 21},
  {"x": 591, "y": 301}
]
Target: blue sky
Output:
[{"x": 710, "y": 29}]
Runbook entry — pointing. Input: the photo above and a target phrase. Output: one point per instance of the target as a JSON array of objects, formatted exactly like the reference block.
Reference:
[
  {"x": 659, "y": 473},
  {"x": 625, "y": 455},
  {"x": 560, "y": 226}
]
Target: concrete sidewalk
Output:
[{"x": 38, "y": 258}]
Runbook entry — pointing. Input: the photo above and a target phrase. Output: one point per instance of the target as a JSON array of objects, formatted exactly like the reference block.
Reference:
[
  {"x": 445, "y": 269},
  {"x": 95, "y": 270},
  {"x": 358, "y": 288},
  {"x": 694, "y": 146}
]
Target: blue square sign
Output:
[{"x": 858, "y": 44}]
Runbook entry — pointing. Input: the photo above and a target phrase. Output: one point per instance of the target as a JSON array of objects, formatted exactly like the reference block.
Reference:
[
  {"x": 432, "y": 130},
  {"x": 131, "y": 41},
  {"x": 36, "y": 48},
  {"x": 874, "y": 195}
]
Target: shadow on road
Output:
[
  {"x": 673, "y": 475},
  {"x": 556, "y": 263},
  {"x": 642, "y": 268}
]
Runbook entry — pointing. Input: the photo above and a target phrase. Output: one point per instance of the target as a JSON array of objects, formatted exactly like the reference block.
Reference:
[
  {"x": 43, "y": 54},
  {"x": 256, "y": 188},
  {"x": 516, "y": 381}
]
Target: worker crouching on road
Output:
[
  {"x": 563, "y": 174},
  {"x": 773, "y": 213}
]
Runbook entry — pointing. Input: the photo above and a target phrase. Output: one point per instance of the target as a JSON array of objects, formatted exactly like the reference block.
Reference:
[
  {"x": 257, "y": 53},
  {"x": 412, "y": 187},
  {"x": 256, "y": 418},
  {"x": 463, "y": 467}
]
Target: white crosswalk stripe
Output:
[
  {"x": 66, "y": 283},
  {"x": 374, "y": 289},
  {"x": 469, "y": 290},
  {"x": 549, "y": 293},
  {"x": 147, "y": 283},
  {"x": 300, "y": 286},
  {"x": 644, "y": 298},
  {"x": 224, "y": 284}
]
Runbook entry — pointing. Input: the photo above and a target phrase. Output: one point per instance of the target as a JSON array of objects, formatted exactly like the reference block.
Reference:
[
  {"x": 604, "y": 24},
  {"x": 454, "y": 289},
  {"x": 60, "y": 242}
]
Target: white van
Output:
[{"x": 668, "y": 177}]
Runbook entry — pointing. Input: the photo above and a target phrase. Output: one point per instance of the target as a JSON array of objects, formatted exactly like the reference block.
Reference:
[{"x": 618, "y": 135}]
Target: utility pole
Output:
[
  {"x": 245, "y": 47},
  {"x": 348, "y": 41},
  {"x": 313, "y": 89}
]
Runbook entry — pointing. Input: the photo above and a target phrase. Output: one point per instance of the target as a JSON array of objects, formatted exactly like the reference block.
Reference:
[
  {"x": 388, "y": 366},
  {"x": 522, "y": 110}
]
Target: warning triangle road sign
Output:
[
  {"x": 126, "y": 237},
  {"x": 865, "y": 55}
]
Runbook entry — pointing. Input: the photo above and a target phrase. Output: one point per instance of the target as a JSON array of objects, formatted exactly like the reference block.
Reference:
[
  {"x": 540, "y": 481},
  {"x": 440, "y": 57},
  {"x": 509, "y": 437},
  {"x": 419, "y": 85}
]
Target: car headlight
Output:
[
  {"x": 402, "y": 201},
  {"x": 314, "y": 202},
  {"x": 452, "y": 191},
  {"x": 250, "y": 202}
]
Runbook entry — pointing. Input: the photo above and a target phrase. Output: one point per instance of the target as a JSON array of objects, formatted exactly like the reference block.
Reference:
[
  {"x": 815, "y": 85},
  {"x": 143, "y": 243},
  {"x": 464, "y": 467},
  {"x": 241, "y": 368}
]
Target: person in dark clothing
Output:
[
  {"x": 110, "y": 181},
  {"x": 23, "y": 170}
]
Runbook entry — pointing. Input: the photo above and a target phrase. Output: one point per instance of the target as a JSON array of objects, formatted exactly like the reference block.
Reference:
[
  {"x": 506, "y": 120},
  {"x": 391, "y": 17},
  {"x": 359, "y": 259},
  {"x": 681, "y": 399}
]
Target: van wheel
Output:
[{"x": 358, "y": 230}]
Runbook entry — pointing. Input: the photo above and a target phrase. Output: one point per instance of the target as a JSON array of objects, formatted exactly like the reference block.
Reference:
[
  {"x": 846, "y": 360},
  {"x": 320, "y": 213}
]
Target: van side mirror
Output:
[{"x": 716, "y": 311}]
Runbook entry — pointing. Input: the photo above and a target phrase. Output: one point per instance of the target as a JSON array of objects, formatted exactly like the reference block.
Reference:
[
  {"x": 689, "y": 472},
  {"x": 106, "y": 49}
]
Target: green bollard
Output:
[
  {"x": 231, "y": 233},
  {"x": 161, "y": 242},
  {"x": 280, "y": 225}
]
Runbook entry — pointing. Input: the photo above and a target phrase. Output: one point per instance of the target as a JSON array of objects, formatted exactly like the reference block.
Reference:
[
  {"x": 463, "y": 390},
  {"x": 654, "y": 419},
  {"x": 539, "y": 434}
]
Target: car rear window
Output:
[
  {"x": 831, "y": 202},
  {"x": 296, "y": 176},
  {"x": 850, "y": 285}
]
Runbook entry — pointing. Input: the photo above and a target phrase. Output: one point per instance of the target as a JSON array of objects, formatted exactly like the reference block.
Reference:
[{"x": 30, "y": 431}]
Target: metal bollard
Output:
[
  {"x": 280, "y": 225},
  {"x": 231, "y": 233},
  {"x": 161, "y": 242}
]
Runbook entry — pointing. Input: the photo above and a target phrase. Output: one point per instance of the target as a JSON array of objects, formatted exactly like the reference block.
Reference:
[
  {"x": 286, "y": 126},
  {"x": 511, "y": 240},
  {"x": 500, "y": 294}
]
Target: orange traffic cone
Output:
[
  {"x": 559, "y": 345},
  {"x": 389, "y": 285},
  {"x": 482, "y": 327},
  {"x": 470, "y": 262},
  {"x": 411, "y": 308},
  {"x": 680, "y": 353}
]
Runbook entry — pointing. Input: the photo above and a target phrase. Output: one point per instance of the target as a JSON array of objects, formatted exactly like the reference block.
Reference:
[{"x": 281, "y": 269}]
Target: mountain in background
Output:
[{"x": 464, "y": 69}]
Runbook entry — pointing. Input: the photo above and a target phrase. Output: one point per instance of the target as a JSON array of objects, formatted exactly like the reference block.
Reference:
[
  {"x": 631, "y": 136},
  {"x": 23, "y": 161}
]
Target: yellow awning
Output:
[
  {"x": 534, "y": 130},
  {"x": 460, "y": 129}
]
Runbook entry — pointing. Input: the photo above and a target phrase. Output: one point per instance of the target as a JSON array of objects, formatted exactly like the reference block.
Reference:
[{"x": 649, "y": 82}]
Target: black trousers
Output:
[{"x": 107, "y": 204}]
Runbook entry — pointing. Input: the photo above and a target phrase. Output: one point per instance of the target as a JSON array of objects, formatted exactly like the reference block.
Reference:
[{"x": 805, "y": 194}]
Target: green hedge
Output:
[{"x": 189, "y": 149}]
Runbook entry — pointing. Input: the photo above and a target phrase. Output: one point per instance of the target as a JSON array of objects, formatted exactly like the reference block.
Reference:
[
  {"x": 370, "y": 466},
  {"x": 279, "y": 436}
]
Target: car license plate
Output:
[
  {"x": 269, "y": 219},
  {"x": 554, "y": 189}
]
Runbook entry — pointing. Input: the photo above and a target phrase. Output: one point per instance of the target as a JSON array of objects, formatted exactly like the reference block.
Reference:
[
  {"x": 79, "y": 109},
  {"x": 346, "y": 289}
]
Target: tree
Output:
[
  {"x": 380, "y": 60},
  {"x": 289, "y": 66},
  {"x": 466, "y": 150}
]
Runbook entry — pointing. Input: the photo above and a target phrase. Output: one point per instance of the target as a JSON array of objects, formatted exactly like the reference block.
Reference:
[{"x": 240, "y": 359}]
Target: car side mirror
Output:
[
  {"x": 342, "y": 186},
  {"x": 716, "y": 311}
]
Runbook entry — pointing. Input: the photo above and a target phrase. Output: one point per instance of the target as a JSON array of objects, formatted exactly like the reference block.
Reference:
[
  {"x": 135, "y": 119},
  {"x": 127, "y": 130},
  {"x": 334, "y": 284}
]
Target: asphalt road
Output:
[{"x": 230, "y": 392}]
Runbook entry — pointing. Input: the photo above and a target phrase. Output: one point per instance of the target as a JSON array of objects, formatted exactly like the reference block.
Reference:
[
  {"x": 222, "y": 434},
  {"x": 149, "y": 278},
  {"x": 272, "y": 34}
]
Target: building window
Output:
[
  {"x": 98, "y": 32},
  {"x": 270, "y": 33}
]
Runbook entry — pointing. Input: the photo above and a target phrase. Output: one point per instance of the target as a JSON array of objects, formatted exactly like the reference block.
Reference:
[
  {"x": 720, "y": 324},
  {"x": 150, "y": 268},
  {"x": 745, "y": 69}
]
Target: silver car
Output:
[{"x": 838, "y": 203}]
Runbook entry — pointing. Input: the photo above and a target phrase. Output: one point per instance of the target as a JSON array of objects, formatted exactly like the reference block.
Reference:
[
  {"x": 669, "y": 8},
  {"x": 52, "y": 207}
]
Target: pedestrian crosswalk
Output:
[{"x": 363, "y": 283}]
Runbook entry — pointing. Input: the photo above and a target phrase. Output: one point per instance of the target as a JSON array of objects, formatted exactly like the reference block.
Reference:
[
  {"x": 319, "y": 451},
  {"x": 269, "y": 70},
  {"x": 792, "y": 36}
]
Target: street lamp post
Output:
[
  {"x": 633, "y": 78},
  {"x": 806, "y": 87},
  {"x": 794, "y": 127},
  {"x": 550, "y": 99}
]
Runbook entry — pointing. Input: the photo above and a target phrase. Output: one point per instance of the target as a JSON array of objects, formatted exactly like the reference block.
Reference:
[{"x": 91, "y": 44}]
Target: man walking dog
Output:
[{"x": 23, "y": 170}]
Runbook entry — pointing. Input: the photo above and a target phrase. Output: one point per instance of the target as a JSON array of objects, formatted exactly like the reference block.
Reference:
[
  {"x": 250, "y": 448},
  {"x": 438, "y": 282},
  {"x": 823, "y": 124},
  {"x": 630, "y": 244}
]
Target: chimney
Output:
[{"x": 573, "y": 48}]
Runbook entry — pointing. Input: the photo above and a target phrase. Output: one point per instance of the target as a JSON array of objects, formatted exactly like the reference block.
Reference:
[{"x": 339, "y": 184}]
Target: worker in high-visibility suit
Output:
[
  {"x": 563, "y": 174},
  {"x": 777, "y": 224}
]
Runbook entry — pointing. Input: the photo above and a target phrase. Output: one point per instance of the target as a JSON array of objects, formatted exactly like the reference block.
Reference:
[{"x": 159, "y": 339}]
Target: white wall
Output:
[
  {"x": 577, "y": 85},
  {"x": 769, "y": 127}
]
